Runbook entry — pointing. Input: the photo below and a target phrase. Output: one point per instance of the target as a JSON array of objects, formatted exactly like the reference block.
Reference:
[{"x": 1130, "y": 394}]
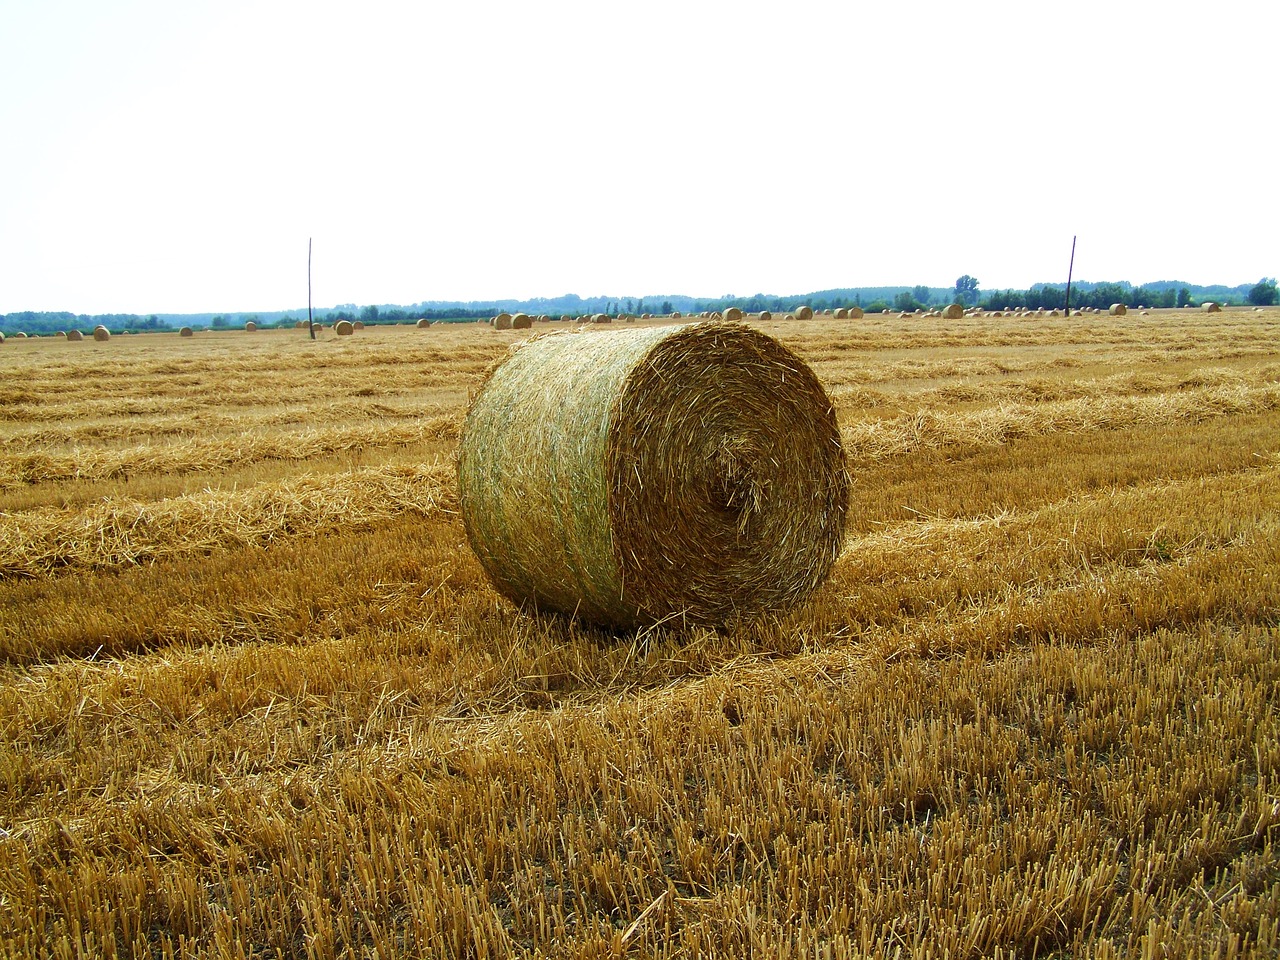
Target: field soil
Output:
[{"x": 259, "y": 700}]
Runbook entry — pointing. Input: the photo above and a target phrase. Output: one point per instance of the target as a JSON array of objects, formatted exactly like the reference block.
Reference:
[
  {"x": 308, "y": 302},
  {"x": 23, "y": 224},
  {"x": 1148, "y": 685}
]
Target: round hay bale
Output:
[
  {"x": 601, "y": 318},
  {"x": 521, "y": 321},
  {"x": 299, "y": 324},
  {"x": 250, "y": 326},
  {"x": 953, "y": 311},
  {"x": 565, "y": 318},
  {"x": 687, "y": 473},
  {"x": 344, "y": 328},
  {"x": 1118, "y": 310},
  {"x": 20, "y": 335},
  {"x": 855, "y": 313},
  {"x": 423, "y": 323},
  {"x": 841, "y": 313},
  {"x": 502, "y": 321},
  {"x": 732, "y": 313},
  {"x": 1210, "y": 307},
  {"x": 60, "y": 333},
  {"x": 1, "y": 336},
  {"x": 186, "y": 332},
  {"x": 803, "y": 312},
  {"x": 675, "y": 315},
  {"x": 101, "y": 334},
  {"x": 765, "y": 316},
  {"x": 358, "y": 325}
]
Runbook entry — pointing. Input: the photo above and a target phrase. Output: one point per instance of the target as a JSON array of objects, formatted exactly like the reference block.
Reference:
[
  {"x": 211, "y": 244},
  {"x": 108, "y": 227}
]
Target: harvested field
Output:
[{"x": 259, "y": 699}]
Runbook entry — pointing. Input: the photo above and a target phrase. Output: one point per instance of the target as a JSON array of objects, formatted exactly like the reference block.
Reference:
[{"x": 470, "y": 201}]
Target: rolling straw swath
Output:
[{"x": 675, "y": 472}]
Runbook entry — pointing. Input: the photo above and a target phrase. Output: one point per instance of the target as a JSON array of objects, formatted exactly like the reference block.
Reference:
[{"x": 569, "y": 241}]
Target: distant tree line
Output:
[{"x": 919, "y": 297}]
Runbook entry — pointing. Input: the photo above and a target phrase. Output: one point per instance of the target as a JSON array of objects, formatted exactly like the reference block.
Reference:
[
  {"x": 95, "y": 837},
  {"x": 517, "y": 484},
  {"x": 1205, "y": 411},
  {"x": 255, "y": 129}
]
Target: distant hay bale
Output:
[
  {"x": 423, "y": 323},
  {"x": 565, "y": 318},
  {"x": 358, "y": 325},
  {"x": 19, "y": 335},
  {"x": 953, "y": 311},
  {"x": 841, "y": 313},
  {"x": 789, "y": 316},
  {"x": 765, "y": 316},
  {"x": 521, "y": 321},
  {"x": 855, "y": 313},
  {"x": 62, "y": 334},
  {"x": 803, "y": 312},
  {"x": 1054, "y": 313},
  {"x": 186, "y": 332},
  {"x": 1210, "y": 306},
  {"x": 250, "y": 326},
  {"x": 101, "y": 334},
  {"x": 601, "y": 318},
  {"x": 675, "y": 315},
  {"x": 1118, "y": 310},
  {"x": 299, "y": 324},
  {"x": 732, "y": 313},
  {"x": 344, "y": 328},
  {"x": 502, "y": 321},
  {"x": 646, "y": 316},
  {"x": 689, "y": 473}
]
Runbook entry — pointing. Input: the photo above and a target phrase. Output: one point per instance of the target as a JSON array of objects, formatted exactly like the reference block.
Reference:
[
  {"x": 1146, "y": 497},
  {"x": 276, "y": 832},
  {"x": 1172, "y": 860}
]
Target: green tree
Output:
[
  {"x": 922, "y": 294},
  {"x": 904, "y": 301},
  {"x": 218, "y": 322},
  {"x": 667, "y": 309},
  {"x": 1184, "y": 297},
  {"x": 369, "y": 314},
  {"x": 967, "y": 290},
  {"x": 1264, "y": 293}
]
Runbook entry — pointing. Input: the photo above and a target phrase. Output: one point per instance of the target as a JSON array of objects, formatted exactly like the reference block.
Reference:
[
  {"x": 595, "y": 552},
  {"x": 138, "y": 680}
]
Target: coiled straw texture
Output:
[{"x": 673, "y": 473}]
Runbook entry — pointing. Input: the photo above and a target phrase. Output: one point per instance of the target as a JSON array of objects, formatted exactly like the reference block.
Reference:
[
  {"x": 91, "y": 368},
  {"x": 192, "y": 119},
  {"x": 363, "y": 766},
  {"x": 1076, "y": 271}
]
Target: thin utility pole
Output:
[
  {"x": 311, "y": 324},
  {"x": 1070, "y": 268}
]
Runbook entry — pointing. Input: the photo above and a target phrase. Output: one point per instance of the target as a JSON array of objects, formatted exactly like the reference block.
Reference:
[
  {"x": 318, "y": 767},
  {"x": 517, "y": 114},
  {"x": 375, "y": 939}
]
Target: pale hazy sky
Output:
[{"x": 175, "y": 156}]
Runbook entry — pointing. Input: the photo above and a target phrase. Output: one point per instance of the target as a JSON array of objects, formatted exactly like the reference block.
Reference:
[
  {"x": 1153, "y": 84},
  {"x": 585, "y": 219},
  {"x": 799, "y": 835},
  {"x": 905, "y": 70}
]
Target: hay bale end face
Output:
[
  {"x": 765, "y": 316},
  {"x": 953, "y": 311},
  {"x": 344, "y": 328},
  {"x": 521, "y": 321},
  {"x": 803, "y": 313},
  {"x": 502, "y": 321},
  {"x": 855, "y": 313},
  {"x": 1118, "y": 310},
  {"x": 186, "y": 332},
  {"x": 732, "y": 313},
  {"x": 250, "y": 326},
  {"x": 687, "y": 473}
]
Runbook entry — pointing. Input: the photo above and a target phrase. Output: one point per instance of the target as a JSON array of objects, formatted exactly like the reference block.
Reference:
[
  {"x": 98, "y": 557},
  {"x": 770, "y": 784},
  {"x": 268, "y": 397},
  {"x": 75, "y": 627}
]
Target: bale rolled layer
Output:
[{"x": 684, "y": 472}]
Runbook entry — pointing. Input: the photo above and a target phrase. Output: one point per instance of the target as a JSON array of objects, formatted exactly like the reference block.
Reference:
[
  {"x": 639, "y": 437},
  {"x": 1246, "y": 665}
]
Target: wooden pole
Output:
[
  {"x": 311, "y": 324},
  {"x": 1070, "y": 267}
]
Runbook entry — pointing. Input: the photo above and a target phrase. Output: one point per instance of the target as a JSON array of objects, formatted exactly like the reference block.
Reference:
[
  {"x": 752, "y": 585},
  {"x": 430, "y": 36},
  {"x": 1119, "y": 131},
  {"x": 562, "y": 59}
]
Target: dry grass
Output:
[{"x": 260, "y": 704}]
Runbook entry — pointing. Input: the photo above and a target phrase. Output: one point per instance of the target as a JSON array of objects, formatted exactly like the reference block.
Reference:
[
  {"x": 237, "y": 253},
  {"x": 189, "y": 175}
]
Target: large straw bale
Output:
[
  {"x": 62, "y": 334},
  {"x": 601, "y": 318},
  {"x": 841, "y": 313},
  {"x": 344, "y": 328},
  {"x": 300, "y": 324},
  {"x": 765, "y": 316},
  {"x": 186, "y": 332},
  {"x": 502, "y": 321},
  {"x": 732, "y": 313},
  {"x": 423, "y": 323},
  {"x": 250, "y": 326},
  {"x": 675, "y": 315},
  {"x": 855, "y": 313},
  {"x": 660, "y": 473},
  {"x": 953, "y": 311},
  {"x": 521, "y": 321},
  {"x": 803, "y": 312},
  {"x": 1210, "y": 306},
  {"x": 1118, "y": 310},
  {"x": 358, "y": 325}
]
